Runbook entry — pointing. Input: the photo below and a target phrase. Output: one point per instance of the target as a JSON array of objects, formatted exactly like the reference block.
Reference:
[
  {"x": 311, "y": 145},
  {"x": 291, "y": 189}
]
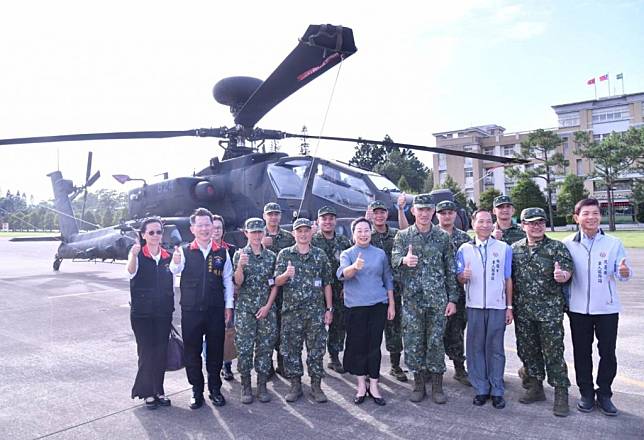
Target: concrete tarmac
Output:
[{"x": 68, "y": 362}]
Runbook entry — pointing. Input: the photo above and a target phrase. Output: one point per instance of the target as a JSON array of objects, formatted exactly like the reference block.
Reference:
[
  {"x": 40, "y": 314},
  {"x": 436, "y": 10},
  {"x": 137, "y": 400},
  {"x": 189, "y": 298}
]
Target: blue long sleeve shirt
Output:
[{"x": 368, "y": 286}]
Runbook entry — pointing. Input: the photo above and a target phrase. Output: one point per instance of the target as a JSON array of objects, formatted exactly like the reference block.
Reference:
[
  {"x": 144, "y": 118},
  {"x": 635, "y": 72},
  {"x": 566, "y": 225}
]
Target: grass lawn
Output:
[
  {"x": 631, "y": 239},
  {"x": 28, "y": 234}
]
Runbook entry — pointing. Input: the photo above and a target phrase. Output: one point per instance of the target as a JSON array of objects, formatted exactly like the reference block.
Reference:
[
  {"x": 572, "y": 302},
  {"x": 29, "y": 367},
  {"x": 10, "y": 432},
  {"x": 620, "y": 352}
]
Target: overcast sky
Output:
[{"x": 79, "y": 66}]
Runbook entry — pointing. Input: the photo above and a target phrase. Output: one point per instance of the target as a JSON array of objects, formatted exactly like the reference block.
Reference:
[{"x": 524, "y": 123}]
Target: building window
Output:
[
  {"x": 469, "y": 193},
  {"x": 469, "y": 172},
  {"x": 488, "y": 150},
  {"x": 565, "y": 147},
  {"x": 610, "y": 114},
  {"x": 442, "y": 176},
  {"x": 580, "y": 167},
  {"x": 508, "y": 150},
  {"x": 569, "y": 119},
  {"x": 442, "y": 162}
]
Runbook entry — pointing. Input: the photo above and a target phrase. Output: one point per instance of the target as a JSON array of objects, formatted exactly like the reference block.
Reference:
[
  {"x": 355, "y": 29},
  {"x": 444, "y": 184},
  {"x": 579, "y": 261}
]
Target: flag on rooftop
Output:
[
  {"x": 620, "y": 76},
  {"x": 603, "y": 77},
  {"x": 590, "y": 82}
]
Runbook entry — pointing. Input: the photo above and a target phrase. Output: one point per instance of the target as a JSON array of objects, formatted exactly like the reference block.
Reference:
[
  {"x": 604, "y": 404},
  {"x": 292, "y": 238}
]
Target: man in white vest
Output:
[
  {"x": 594, "y": 306},
  {"x": 484, "y": 266}
]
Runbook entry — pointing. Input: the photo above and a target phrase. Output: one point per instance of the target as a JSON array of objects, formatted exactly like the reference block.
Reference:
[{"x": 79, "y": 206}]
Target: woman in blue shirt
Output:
[{"x": 368, "y": 296}]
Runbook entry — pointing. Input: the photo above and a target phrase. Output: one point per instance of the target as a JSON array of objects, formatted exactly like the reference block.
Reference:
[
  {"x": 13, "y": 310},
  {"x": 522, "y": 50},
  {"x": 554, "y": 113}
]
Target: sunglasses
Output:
[{"x": 159, "y": 232}]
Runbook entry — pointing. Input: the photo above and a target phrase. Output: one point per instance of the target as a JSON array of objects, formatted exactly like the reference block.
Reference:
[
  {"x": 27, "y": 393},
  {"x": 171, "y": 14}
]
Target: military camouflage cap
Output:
[
  {"x": 377, "y": 204},
  {"x": 302, "y": 222},
  {"x": 254, "y": 224},
  {"x": 424, "y": 201},
  {"x": 272, "y": 207},
  {"x": 532, "y": 214},
  {"x": 446, "y": 205},
  {"x": 502, "y": 200},
  {"x": 326, "y": 210}
]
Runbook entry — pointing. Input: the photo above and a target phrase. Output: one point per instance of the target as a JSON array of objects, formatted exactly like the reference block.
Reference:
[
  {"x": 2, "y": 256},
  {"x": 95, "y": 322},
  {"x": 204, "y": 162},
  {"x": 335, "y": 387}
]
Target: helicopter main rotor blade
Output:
[
  {"x": 488, "y": 157},
  {"x": 320, "y": 48},
  {"x": 199, "y": 132}
]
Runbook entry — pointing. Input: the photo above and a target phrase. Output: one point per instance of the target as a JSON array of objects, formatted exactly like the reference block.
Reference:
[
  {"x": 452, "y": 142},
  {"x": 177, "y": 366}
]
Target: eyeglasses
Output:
[
  {"x": 159, "y": 232},
  {"x": 537, "y": 224},
  {"x": 217, "y": 228}
]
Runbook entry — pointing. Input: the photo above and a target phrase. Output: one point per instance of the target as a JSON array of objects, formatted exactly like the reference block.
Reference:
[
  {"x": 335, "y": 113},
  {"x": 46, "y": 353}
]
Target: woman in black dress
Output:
[{"x": 152, "y": 304}]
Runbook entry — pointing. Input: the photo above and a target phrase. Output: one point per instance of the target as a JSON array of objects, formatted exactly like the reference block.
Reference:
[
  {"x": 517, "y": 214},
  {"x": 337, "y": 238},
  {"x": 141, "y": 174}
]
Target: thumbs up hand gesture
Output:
[
  {"x": 243, "y": 259},
  {"x": 136, "y": 247},
  {"x": 558, "y": 274},
  {"x": 359, "y": 263},
  {"x": 623, "y": 269},
  {"x": 467, "y": 272},
  {"x": 290, "y": 270},
  {"x": 410, "y": 260},
  {"x": 402, "y": 200},
  {"x": 176, "y": 256},
  {"x": 497, "y": 233}
]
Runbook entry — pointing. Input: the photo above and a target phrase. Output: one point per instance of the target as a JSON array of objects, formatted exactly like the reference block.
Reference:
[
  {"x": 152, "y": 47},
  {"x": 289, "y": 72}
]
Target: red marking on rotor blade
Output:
[{"x": 312, "y": 70}]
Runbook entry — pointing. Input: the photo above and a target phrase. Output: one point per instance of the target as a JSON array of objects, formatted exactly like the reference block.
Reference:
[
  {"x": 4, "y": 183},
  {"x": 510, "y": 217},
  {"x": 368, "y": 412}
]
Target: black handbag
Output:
[{"x": 174, "y": 359}]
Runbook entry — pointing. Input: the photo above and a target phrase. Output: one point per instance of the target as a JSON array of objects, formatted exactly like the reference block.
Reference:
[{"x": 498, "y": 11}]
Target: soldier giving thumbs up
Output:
[{"x": 410, "y": 260}]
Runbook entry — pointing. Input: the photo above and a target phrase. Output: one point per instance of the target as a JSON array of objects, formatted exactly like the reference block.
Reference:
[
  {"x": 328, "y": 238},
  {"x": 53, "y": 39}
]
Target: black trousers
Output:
[
  {"x": 364, "y": 327},
  {"x": 584, "y": 328},
  {"x": 151, "y": 336},
  {"x": 194, "y": 326}
]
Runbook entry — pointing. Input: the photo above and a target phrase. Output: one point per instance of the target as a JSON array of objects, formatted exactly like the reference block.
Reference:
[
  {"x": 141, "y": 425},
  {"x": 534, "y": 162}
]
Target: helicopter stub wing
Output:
[{"x": 320, "y": 48}]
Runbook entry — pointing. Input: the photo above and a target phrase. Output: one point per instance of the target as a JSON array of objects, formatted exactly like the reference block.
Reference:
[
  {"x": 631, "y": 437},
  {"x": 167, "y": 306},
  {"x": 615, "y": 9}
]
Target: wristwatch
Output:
[
  {"x": 509, "y": 307},
  {"x": 329, "y": 309}
]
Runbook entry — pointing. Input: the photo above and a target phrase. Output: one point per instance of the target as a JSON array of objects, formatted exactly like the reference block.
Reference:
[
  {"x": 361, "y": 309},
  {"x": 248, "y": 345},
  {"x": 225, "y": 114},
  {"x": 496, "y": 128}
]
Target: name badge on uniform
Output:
[
  {"x": 317, "y": 282},
  {"x": 271, "y": 281}
]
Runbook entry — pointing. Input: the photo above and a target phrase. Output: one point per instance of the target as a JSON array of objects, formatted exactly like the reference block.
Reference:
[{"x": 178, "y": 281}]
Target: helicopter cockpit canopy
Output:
[{"x": 338, "y": 183}]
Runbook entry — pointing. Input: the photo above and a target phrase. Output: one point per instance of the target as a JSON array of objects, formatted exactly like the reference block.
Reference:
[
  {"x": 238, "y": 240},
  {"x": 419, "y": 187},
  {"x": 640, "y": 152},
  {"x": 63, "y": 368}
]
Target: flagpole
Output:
[
  {"x": 623, "y": 93},
  {"x": 595, "y": 86},
  {"x": 608, "y": 78}
]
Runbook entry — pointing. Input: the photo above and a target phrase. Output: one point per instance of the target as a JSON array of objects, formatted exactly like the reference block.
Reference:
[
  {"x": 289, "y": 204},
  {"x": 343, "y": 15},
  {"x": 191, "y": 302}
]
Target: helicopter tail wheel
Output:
[{"x": 56, "y": 264}]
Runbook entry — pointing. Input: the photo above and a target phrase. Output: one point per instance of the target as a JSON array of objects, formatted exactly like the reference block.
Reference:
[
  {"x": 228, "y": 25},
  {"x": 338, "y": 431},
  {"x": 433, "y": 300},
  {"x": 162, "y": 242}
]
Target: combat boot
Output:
[
  {"x": 262, "y": 392},
  {"x": 523, "y": 374},
  {"x": 460, "y": 374},
  {"x": 335, "y": 363},
  {"x": 280, "y": 366},
  {"x": 418, "y": 393},
  {"x": 396, "y": 371},
  {"x": 534, "y": 393},
  {"x": 246, "y": 391},
  {"x": 560, "y": 408},
  {"x": 316, "y": 390},
  {"x": 296, "y": 390},
  {"x": 438, "y": 396}
]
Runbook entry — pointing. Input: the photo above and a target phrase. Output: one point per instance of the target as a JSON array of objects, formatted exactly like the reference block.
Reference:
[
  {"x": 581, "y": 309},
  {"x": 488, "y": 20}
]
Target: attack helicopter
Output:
[{"x": 237, "y": 186}]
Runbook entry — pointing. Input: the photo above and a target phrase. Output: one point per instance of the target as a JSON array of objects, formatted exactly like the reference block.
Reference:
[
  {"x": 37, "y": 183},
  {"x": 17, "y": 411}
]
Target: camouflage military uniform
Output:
[
  {"x": 538, "y": 308},
  {"x": 453, "y": 339},
  {"x": 281, "y": 240},
  {"x": 303, "y": 310},
  {"x": 253, "y": 294},
  {"x": 512, "y": 234},
  {"x": 393, "y": 328},
  {"x": 427, "y": 288},
  {"x": 333, "y": 248}
]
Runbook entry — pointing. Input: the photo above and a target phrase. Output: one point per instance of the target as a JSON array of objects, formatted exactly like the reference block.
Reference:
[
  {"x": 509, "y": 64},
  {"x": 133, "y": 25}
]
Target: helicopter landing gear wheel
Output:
[{"x": 56, "y": 264}]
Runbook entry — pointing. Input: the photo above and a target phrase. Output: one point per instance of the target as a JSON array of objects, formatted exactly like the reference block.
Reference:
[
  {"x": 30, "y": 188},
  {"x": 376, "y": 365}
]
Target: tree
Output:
[
  {"x": 367, "y": 156},
  {"x": 638, "y": 199},
  {"x": 429, "y": 182},
  {"x": 540, "y": 147},
  {"x": 486, "y": 199},
  {"x": 459, "y": 196},
  {"x": 572, "y": 190},
  {"x": 108, "y": 218},
  {"x": 616, "y": 154},
  {"x": 526, "y": 194},
  {"x": 403, "y": 163},
  {"x": 403, "y": 185}
]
